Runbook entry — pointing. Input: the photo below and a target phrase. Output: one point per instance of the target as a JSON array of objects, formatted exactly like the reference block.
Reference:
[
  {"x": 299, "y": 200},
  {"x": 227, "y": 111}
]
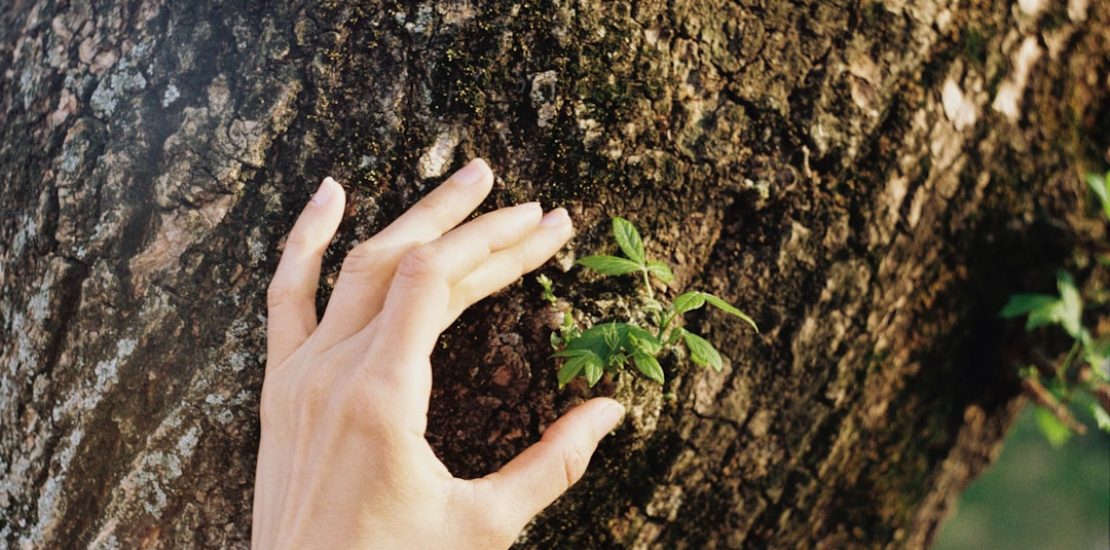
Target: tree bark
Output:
[{"x": 869, "y": 179}]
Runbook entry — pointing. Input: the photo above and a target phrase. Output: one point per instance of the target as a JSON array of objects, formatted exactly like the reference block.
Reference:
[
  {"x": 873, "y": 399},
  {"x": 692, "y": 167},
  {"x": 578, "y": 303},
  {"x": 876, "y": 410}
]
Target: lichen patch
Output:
[{"x": 435, "y": 160}]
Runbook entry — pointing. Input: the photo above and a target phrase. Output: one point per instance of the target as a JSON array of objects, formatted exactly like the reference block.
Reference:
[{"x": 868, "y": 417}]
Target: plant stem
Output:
[
  {"x": 666, "y": 323},
  {"x": 647, "y": 283},
  {"x": 1063, "y": 370}
]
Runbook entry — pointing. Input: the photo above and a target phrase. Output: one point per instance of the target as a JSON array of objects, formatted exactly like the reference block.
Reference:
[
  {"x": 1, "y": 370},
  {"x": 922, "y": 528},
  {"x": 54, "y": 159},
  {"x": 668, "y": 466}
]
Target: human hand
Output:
[{"x": 342, "y": 461}]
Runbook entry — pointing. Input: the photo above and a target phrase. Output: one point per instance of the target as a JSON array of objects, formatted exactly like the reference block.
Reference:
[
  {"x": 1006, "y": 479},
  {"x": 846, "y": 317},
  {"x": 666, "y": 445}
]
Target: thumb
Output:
[{"x": 539, "y": 475}]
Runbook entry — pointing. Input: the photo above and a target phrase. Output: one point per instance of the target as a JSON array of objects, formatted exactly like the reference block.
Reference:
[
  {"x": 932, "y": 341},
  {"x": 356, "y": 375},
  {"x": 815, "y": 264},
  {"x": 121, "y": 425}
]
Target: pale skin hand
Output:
[{"x": 342, "y": 461}]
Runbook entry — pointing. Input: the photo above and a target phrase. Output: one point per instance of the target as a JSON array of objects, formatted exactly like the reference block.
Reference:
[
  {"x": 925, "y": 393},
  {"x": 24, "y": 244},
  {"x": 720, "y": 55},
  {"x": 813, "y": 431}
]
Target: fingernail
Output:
[
  {"x": 555, "y": 217},
  {"x": 608, "y": 417},
  {"x": 471, "y": 173},
  {"x": 324, "y": 192},
  {"x": 531, "y": 206}
]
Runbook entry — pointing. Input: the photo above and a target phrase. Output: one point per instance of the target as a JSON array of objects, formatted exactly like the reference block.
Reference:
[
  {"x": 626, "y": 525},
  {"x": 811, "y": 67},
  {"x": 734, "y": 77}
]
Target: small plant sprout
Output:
[
  {"x": 611, "y": 346},
  {"x": 1084, "y": 367},
  {"x": 547, "y": 291},
  {"x": 1081, "y": 380}
]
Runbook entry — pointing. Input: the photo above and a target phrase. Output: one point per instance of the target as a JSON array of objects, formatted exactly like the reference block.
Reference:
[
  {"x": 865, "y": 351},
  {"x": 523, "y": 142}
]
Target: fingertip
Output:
[
  {"x": 476, "y": 174},
  {"x": 481, "y": 162},
  {"x": 339, "y": 191},
  {"x": 329, "y": 192},
  {"x": 607, "y": 415},
  {"x": 555, "y": 218}
]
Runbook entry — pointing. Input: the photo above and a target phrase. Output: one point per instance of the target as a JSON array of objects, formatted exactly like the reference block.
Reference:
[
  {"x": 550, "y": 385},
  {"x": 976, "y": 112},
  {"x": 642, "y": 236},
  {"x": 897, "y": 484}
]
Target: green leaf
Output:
[
  {"x": 688, "y": 301},
  {"x": 1101, "y": 187},
  {"x": 1054, "y": 431},
  {"x": 1048, "y": 315},
  {"x": 1102, "y": 419},
  {"x": 571, "y": 353},
  {"x": 603, "y": 340},
  {"x": 730, "y": 309},
  {"x": 660, "y": 271},
  {"x": 701, "y": 351},
  {"x": 612, "y": 343},
  {"x": 577, "y": 360},
  {"x": 568, "y": 321},
  {"x": 629, "y": 240},
  {"x": 592, "y": 339},
  {"x": 648, "y": 365},
  {"x": 617, "y": 360},
  {"x": 593, "y": 372},
  {"x": 571, "y": 368},
  {"x": 609, "y": 265},
  {"x": 643, "y": 340},
  {"x": 1020, "y": 304},
  {"x": 612, "y": 336},
  {"x": 1097, "y": 354},
  {"x": 1071, "y": 312}
]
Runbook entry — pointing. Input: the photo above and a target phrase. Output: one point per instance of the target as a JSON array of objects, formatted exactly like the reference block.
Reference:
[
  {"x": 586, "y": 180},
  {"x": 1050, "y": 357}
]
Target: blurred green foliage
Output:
[
  {"x": 1079, "y": 384},
  {"x": 1037, "y": 497}
]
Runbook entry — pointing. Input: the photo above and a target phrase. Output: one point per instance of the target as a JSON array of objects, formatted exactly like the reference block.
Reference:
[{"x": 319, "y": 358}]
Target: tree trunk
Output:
[{"x": 870, "y": 180}]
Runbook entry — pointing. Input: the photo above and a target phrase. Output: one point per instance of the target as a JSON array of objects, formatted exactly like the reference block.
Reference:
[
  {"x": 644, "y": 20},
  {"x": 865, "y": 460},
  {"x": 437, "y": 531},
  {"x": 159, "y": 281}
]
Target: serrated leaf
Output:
[
  {"x": 729, "y": 309},
  {"x": 660, "y": 271},
  {"x": 609, "y": 265},
  {"x": 701, "y": 351},
  {"x": 648, "y": 365},
  {"x": 688, "y": 301},
  {"x": 1020, "y": 304},
  {"x": 628, "y": 238}
]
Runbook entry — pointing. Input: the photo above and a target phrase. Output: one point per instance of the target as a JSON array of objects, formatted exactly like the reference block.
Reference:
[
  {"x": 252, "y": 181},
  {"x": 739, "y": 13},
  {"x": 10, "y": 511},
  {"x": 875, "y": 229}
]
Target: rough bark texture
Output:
[{"x": 868, "y": 179}]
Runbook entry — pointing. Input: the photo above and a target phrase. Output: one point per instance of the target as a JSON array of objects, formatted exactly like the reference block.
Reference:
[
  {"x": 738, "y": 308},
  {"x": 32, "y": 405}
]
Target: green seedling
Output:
[
  {"x": 609, "y": 347},
  {"x": 547, "y": 290},
  {"x": 1082, "y": 379}
]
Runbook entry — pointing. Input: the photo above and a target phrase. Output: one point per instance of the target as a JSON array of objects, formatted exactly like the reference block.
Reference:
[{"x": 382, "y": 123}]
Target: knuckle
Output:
[
  {"x": 575, "y": 460},
  {"x": 314, "y": 392},
  {"x": 419, "y": 263},
  {"x": 297, "y": 240},
  {"x": 492, "y": 527},
  {"x": 364, "y": 258},
  {"x": 436, "y": 205},
  {"x": 279, "y": 292}
]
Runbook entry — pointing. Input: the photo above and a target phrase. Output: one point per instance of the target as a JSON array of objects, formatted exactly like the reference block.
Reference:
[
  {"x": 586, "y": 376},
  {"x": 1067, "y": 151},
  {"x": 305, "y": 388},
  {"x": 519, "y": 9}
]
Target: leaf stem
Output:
[
  {"x": 666, "y": 323},
  {"x": 647, "y": 283},
  {"x": 1063, "y": 370}
]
